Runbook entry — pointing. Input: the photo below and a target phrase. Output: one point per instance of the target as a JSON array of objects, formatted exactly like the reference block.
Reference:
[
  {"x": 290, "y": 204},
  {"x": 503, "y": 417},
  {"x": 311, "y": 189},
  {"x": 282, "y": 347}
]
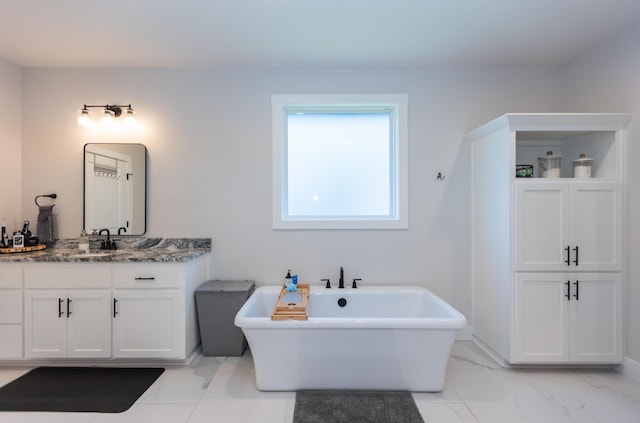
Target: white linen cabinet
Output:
[{"x": 547, "y": 259}]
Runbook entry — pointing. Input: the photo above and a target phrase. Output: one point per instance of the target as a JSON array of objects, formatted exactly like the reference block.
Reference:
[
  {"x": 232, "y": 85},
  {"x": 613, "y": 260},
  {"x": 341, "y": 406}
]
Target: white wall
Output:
[
  {"x": 209, "y": 138},
  {"x": 10, "y": 154},
  {"x": 607, "y": 79}
]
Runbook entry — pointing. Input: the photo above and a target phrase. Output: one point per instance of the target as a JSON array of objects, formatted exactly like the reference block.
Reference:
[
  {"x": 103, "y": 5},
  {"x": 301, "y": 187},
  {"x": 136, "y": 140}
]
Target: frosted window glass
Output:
[
  {"x": 338, "y": 164},
  {"x": 340, "y": 161}
]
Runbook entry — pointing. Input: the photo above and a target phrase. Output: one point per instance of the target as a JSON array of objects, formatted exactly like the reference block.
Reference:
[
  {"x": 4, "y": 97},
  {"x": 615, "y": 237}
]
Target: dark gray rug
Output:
[
  {"x": 355, "y": 407},
  {"x": 82, "y": 389}
]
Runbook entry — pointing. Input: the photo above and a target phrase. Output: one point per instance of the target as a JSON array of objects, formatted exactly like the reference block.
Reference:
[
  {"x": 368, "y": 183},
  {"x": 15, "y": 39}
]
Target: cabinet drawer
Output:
[
  {"x": 67, "y": 278},
  {"x": 10, "y": 306},
  {"x": 10, "y": 278},
  {"x": 147, "y": 277}
]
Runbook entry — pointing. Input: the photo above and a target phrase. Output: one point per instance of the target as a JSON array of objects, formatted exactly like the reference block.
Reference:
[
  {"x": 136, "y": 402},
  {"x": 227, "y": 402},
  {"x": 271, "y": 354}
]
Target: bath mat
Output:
[
  {"x": 355, "y": 407},
  {"x": 81, "y": 389}
]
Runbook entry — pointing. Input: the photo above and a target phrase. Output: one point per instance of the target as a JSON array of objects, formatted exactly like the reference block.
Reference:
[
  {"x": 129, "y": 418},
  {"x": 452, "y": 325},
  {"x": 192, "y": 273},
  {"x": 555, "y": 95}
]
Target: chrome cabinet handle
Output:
[
  {"x": 140, "y": 278},
  {"x": 568, "y": 260},
  {"x": 568, "y": 294},
  {"x": 576, "y": 260},
  {"x": 69, "y": 307},
  {"x": 115, "y": 311},
  {"x": 60, "y": 312},
  {"x": 577, "y": 294}
]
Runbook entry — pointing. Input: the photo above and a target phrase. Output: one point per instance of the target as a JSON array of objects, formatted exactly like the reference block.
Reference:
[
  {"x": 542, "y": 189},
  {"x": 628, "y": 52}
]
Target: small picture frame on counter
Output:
[{"x": 18, "y": 241}]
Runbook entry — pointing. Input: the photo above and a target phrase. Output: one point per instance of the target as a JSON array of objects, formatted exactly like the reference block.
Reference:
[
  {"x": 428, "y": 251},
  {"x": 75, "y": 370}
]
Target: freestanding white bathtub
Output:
[{"x": 384, "y": 338}]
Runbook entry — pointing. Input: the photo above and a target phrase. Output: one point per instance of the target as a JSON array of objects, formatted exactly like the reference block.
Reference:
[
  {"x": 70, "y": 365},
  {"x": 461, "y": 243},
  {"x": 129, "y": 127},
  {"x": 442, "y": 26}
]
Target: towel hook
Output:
[
  {"x": 54, "y": 196},
  {"x": 440, "y": 176}
]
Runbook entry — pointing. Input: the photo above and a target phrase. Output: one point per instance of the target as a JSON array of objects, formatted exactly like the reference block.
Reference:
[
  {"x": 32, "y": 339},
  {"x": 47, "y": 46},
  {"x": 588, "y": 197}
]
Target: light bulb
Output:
[
  {"x": 83, "y": 118},
  {"x": 129, "y": 118},
  {"x": 107, "y": 118}
]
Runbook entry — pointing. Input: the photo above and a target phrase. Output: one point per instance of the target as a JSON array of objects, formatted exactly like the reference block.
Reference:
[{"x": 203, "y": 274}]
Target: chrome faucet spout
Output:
[{"x": 341, "y": 281}]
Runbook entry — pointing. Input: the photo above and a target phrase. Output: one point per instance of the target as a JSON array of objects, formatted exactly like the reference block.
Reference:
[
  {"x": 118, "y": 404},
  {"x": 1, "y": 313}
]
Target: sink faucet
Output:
[
  {"x": 121, "y": 228},
  {"x": 107, "y": 244},
  {"x": 341, "y": 281}
]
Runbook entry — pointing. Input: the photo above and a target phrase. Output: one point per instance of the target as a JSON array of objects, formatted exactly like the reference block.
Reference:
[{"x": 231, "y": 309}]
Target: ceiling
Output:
[{"x": 243, "y": 33}]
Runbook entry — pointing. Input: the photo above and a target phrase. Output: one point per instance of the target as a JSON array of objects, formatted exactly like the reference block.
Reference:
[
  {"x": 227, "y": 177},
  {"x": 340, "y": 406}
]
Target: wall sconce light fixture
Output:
[{"x": 110, "y": 112}]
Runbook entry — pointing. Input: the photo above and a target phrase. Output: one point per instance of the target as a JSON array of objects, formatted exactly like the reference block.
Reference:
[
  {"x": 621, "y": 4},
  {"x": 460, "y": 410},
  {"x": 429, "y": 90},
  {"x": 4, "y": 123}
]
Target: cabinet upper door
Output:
[
  {"x": 595, "y": 225},
  {"x": 541, "y": 226},
  {"x": 573, "y": 226}
]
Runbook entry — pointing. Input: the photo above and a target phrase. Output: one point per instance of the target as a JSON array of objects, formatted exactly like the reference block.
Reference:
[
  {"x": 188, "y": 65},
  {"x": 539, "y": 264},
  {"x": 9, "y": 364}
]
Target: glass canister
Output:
[
  {"x": 549, "y": 165},
  {"x": 582, "y": 166}
]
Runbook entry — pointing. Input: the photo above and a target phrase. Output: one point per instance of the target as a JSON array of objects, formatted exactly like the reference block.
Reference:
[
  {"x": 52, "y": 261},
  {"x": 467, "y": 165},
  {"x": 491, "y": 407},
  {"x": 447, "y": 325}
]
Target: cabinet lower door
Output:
[
  {"x": 45, "y": 323},
  {"x": 596, "y": 316},
  {"x": 542, "y": 318},
  {"x": 148, "y": 323},
  {"x": 89, "y": 323}
]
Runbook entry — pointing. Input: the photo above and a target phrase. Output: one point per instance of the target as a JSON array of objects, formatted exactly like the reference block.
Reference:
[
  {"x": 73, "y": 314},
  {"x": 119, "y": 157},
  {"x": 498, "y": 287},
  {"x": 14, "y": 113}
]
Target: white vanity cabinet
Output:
[
  {"x": 11, "y": 316},
  {"x": 154, "y": 312},
  {"x": 547, "y": 253},
  {"x": 67, "y": 312}
]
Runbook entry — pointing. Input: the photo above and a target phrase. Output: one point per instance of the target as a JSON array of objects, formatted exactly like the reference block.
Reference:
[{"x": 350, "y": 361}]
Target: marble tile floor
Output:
[{"x": 223, "y": 390}]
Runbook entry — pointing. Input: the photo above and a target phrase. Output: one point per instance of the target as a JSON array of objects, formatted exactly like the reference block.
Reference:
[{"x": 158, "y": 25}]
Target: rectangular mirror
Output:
[{"x": 115, "y": 188}]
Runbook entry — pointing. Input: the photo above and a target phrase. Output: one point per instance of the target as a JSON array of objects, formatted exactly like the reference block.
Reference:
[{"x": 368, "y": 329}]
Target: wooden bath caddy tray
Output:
[
  {"x": 292, "y": 305},
  {"x": 9, "y": 250}
]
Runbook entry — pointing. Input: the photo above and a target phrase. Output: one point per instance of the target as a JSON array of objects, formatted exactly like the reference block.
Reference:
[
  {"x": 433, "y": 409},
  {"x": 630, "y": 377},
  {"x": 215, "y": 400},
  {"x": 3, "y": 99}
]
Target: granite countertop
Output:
[{"x": 130, "y": 250}]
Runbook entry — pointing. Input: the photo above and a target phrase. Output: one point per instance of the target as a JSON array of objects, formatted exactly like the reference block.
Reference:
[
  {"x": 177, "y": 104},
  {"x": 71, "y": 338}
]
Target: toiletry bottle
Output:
[
  {"x": 288, "y": 279},
  {"x": 83, "y": 242},
  {"x": 5, "y": 237},
  {"x": 25, "y": 229}
]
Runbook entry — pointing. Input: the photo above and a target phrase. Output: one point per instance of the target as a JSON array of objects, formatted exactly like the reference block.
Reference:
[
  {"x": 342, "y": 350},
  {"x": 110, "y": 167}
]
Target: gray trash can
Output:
[{"x": 217, "y": 303}]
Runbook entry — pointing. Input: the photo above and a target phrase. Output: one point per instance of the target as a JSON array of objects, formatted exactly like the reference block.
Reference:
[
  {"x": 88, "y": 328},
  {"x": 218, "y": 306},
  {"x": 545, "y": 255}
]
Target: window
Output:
[{"x": 340, "y": 161}]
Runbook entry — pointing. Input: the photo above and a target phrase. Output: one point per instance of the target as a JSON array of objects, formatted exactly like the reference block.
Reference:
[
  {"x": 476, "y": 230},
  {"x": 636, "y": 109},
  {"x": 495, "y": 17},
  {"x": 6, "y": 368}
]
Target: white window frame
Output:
[{"x": 397, "y": 103}]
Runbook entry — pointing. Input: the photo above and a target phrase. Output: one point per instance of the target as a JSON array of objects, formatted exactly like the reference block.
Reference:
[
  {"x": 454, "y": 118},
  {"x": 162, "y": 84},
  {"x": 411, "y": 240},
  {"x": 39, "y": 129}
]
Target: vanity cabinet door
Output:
[
  {"x": 148, "y": 323},
  {"x": 89, "y": 323},
  {"x": 45, "y": 324},
  {"x": 61, "y": 323},
  {"x": 11, "y": 313},
  {"x": 10, "y": 323}
]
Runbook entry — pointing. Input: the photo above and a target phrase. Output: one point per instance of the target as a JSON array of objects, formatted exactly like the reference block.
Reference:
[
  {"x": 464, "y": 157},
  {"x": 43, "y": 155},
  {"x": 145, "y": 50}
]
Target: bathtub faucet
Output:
[{"x": 341, "y": 281}]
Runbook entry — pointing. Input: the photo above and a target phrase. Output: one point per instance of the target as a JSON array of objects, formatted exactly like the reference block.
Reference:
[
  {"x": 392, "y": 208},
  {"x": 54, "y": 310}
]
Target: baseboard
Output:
[
  {"x": 631, "y": 369},
  {"x": 490, "y": 352},
  {"x": 120, "y": 362},
  {"x": 465, "y": 334}
]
